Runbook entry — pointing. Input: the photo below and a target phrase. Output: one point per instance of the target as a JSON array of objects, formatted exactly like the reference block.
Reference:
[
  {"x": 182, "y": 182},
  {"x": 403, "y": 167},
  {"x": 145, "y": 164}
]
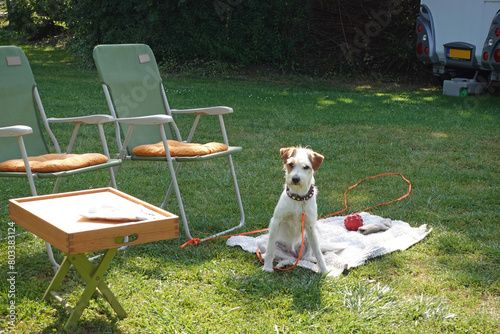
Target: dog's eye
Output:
[
  {"x": 291, "y": 165},
  {"x": 306, "y": 167}
]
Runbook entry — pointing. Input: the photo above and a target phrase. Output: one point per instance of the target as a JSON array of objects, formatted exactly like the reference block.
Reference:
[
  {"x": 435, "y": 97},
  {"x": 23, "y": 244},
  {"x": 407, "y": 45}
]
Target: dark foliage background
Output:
[
  {"x": 36, "y": 19},
  {"x": 364, "y": 36},
  {"x": 322, "y": 37}
]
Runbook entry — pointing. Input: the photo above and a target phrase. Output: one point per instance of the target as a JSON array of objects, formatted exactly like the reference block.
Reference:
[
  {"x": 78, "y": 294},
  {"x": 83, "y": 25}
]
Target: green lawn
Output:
[{"x": 447, "y": 147}]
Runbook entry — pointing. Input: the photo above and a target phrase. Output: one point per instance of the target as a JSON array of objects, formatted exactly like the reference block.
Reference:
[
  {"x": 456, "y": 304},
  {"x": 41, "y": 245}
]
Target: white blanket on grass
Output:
[{"x": 358, "y": 247}]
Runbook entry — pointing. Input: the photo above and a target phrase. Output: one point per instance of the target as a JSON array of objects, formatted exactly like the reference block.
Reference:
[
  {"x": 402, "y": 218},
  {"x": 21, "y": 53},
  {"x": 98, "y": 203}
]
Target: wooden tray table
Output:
[{"x": 57, "y": 219}]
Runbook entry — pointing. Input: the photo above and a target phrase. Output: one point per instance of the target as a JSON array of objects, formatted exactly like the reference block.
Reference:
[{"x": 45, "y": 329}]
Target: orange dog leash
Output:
[
  {"x": 196, "y": 241},
  {"x": 374, "y": 206}
]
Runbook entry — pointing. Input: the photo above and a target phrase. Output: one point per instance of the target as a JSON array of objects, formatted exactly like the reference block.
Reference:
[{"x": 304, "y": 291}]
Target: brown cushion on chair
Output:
[
  {"x": 178, "y": 149},
  {"x": 49, "y": 163}
]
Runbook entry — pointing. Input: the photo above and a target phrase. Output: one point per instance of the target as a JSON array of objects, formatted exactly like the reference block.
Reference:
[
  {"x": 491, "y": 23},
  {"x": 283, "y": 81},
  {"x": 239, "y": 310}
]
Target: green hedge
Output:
[
  {"x": 235, "y": 31},
  {"x": 364, "y": 36},
  {"x": 35, "y": 19},
  {"x": 324, "y": 37}
]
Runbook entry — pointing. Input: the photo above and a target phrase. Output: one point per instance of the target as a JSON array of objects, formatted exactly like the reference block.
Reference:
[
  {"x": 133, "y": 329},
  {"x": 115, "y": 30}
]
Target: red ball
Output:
[{"x": 353, "y": 221}]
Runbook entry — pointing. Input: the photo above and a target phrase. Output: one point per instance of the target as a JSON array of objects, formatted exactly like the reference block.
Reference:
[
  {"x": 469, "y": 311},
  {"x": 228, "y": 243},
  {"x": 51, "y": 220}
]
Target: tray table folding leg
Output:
[{"x": 93, "y": 279}]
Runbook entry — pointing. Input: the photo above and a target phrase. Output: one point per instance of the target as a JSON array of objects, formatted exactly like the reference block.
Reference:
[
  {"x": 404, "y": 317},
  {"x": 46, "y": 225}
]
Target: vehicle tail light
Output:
[
  {"x": 426, "y": 50},
  {"x": 485, "y": 56},
  {"x": 496, "y": 55},
  {"x": 497, "y": 32},
  {"x": 419, "y": 28},
  {"x": 420, "y": 48}
]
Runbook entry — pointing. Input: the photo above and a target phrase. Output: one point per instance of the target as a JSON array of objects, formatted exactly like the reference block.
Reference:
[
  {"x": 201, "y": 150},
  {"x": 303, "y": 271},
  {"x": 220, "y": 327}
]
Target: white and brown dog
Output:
[{"x": 299, "y": 196}]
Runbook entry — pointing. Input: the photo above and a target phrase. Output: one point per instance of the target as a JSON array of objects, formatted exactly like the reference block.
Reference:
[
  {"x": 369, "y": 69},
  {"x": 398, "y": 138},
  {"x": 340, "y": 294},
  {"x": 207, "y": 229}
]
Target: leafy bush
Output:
[
  {"x": 365, "y": 36},
  {"x": 37, "y": 19},
  {"x": 235, "y": 31},
  {"x": 313, "y": 36}
]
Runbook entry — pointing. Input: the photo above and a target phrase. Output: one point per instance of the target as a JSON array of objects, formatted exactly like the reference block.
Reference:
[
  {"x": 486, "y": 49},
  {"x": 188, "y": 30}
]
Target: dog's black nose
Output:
[{"x": 295, "y": 179}]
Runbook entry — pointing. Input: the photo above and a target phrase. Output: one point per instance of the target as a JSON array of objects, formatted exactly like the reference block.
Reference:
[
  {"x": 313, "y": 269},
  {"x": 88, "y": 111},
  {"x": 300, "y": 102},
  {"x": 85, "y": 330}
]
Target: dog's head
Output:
[{"x": 300, "y": 165}]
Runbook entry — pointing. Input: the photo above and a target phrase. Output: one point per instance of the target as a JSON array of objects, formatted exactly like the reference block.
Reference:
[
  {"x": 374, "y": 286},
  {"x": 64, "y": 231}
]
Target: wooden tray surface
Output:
[{"x": 57, "y": 219}]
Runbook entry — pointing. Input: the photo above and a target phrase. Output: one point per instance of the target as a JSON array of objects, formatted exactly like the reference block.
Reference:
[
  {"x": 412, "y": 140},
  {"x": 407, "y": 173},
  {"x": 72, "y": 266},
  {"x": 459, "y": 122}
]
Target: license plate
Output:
[{"x": 459, "y": 54}]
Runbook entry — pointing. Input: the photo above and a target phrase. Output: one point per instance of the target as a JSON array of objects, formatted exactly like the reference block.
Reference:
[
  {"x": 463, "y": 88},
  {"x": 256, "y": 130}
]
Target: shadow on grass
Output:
[
  {"x": 303, "y": 287},
  {"x": 107, "y": 325},
  {"x": 33, "y": 274}
]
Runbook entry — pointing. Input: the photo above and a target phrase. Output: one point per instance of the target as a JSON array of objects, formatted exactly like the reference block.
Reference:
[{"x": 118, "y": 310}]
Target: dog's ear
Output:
[
  {"x": 316, "y": 160},
  {"x": 287, "y": 152}
]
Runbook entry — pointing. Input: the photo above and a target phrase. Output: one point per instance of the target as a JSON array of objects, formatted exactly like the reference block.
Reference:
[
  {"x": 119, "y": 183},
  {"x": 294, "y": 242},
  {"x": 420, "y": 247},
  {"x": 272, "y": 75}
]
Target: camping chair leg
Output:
[
  {"x": 237, "y": 191},
  {"x": 34, "y": 193},
  {"x": 238, "y": 198},
  {"x": 183, "y": 215},
  {"x": 173, "y": 175},
  {"x": 106, "y": 152},
  {"x": 170, "y": 187},
  {"x": 233, "y": 173},
  {"x": 55, "y": 265},
  {"x": 115, "y": 171},
  {"x": 167, "y": 196},
  {"x": 24, "y": 154},
  {"x": 112, "y": 177},
  {"x": 179, "y": 198},
  {"x": 56, "y": 186}
]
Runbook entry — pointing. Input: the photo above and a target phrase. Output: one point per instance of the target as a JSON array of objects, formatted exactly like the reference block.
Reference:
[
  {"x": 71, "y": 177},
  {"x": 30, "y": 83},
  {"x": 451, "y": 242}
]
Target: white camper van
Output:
[{"x": 460, "y": 37}]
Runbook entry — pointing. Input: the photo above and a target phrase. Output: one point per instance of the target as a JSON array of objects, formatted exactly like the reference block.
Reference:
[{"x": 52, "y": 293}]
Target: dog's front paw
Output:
[
  {"x": 323, "y": 270},
  {"x": 268, "y": 268},
  {"x": 322, "y": 267}
]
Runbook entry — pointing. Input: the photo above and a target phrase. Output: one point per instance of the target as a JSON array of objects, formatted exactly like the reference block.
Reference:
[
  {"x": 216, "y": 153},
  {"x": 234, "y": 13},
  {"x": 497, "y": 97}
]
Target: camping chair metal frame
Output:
[
  {"x": 166, "y": 119},
  {"x": 21, "y": 130}
]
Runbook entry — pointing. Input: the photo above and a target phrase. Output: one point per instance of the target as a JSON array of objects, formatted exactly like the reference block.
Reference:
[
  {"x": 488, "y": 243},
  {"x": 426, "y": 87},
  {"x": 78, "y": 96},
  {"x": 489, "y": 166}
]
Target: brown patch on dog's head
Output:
[
  {"x": 316, "y": 160},
  {"x": 287, "y": 152}
]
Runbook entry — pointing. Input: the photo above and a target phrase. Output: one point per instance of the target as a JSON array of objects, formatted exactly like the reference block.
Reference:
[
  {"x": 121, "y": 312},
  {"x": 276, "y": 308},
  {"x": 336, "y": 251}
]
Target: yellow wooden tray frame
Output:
[{"x": 57, "y": 219}]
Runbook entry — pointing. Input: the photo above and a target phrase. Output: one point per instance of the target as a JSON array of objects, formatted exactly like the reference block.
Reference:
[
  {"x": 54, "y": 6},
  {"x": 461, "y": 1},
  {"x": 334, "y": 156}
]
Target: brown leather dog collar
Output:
[{"x": 299, "y": 198}]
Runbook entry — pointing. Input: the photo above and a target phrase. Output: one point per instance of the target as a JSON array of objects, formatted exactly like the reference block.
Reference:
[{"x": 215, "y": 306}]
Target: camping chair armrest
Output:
[
  {"x": 91, "y": 119},
  {"x": 98, "y": 120},
  {"x": 146, "y": 120},
  {"x": 215, "y": 111},
  {"x": 15, "y": 130},
  {"x": 204, "y": 111}
]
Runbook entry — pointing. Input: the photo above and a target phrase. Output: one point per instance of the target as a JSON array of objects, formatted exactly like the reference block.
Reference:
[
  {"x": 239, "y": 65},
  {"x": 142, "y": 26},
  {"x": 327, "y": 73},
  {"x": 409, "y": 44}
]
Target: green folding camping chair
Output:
[
  {"x": 136, "y": 98},
  {"x": 23, "y": 149}
]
